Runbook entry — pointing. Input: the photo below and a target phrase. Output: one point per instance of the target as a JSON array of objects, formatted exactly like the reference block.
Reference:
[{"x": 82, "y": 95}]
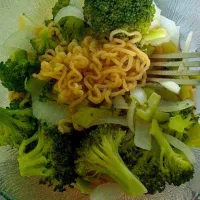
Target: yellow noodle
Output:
[{"x": 95, "y": 71}]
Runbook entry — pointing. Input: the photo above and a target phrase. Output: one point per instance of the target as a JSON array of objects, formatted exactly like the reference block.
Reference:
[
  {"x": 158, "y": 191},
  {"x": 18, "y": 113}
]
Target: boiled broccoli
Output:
[
  {"x": 174, "y": 165},
  {"x": 72, "y": 28},
  {"x": 17, "y": 69},
  {"x": 105, "y": 16},
  {"x": 46, "y": 39},
  {"x": 15, "y": 125},
  {"x": 143, "y": 164},
  {"x": 60, "y": 4},
  {"x": 52, "y": 158},
  {"x": 99, "y": 155}
]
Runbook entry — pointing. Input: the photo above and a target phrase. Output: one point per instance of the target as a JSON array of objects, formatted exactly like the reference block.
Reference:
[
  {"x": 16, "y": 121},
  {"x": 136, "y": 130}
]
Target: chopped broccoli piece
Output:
[
  {"x": 175, "y": 167},
  {"x": 99, "y": 155},
  {"x": 17, "y": 69},
  {"x": 52, "y": 158},
  {"x": 72, "y": 28},
  {"x": 46, "y": 39},
  {"x": 15, "y": 125},
  {"x": 105, "y": 16},
  {"x": 60, "y": 4}
]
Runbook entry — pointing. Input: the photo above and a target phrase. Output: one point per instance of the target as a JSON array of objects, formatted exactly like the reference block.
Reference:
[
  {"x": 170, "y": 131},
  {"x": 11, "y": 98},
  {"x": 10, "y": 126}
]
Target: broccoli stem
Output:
[
  {"x": 116, "y": 168},
  {"x": 159, "y": 136}
]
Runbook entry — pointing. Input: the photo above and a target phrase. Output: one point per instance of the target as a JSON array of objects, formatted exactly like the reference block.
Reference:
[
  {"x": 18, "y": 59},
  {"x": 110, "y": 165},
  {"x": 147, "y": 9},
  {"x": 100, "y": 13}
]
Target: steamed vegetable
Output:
[
  {"x": 15, "y": 125},
  {"x": 105, "y": 16},
  {"x": 50, "y": 155},
  {"x": 174, "y": 165},
  {"x": 17, "y": 69},
  {"x": 99, "y": 155}
]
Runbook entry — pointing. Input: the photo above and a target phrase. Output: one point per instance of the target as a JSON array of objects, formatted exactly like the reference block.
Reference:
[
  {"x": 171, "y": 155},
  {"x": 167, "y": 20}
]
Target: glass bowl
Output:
[{"x": 13, "y": 187}]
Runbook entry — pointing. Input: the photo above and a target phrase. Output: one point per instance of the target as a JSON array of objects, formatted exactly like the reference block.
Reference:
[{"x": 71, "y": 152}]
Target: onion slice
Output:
[
  {"x": 142, "y": 137},
  {"x": 130, "y": 115},
  {"x": 120, "y": 103},
  {"x": 139, "y": 95},
  {"x": 171, "y": 86},
  {"x": 173, "y": 106},
  {"x": 182, "y": 147},
  {"x": 69, "y": 11},
  {"x": 107, "y": 191}
]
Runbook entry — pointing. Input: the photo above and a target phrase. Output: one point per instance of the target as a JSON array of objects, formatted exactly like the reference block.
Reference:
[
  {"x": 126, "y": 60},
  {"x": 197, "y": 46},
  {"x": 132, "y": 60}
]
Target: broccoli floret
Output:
[
  {"x": 15, "y": 125},
  {"x": 15, "y": 70},
  {"x": 72, "y": 28},
  {"x": 143, "y": 164},
  {"x": 105, "y": 16},
  {"x": 46, "y": 39},
  {"x": 52, "y": 158},
  {"x": 99, "y": 155},
  {"x": 60, "y": 4},
  {"x": 174, "y": 165},
  {"x": 47, "y": 93},
  {"x": 147, "y": 169}
]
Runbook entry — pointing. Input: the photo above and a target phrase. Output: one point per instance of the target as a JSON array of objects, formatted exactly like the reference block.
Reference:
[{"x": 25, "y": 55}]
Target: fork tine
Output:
[
  {"x": 177, "y": 55},
  {"x": 178, "y": 81},
  {"x": 174, "y": 72},
  {"x": 176, "y": 64}
]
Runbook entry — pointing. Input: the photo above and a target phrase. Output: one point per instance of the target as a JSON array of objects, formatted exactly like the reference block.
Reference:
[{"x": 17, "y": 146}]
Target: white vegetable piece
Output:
[
  {"x": 107, "y": 191},
  {"x": 171, "y": 86},
  {"x": 139, "y": 95},
  {"x": 69, "y": 11}
]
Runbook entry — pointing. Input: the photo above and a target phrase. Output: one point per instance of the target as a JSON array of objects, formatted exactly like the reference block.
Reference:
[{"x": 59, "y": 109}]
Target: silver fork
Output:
[{"x": 174, "y": 72}]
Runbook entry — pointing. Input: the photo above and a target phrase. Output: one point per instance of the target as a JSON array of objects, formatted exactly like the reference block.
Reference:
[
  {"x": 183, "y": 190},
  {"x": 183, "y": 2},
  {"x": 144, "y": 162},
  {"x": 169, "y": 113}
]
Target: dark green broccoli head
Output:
[
  {"x": 14, "y": 72},
  {"x": 99, "y": 155},
  {"x": 52, "y": 157},
  {"x": 60, "y": 4},
  {"x": 105, "y": 16},
  {"x": 15, "y": 125}
]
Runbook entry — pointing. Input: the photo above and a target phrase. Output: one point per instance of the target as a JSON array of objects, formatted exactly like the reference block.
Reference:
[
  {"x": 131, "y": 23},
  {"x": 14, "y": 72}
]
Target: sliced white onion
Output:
[
  {"x": 69, "y": 11},
  {"x": 78, "y": 3},
  {"x": 188, "y": 41},
  {"x": 142, "y": 137},
  {"x": 120, "y": 103},
  {"x": 6, "y": 4},
  {"x": 20, "y": 39},
  {"x": 156, "y": 20},
  {"x": 50, "y": 112},
  {"x": 171, "y": 86},
  {"x": 181, "y": 146},
  {"x": 172, "y": 29},
  {"x": 107, "y": 191},
  {"x": 111, "y": 120},
  {"x": 130, "y": 115},
  {"x": 173, "y": 106},
  {"x": 139, "y": 95}
]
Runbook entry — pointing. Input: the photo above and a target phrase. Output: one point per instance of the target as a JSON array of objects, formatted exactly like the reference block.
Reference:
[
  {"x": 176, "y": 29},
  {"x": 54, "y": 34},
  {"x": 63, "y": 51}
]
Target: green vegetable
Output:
[
  {"x": 46, "y": 39},
  {"x": 193, "y": 139},
  {"x": 52, "y": 157},
  {"x": 155, "y": 34},
  {"x": 72, "y": 28},
  {"x": 174, "y": 165},
  {"x": 83, "y": 186},
  {"x": 152, "y": 105},
  {"x": 105, "y": 16},
  {"x": 179, "y": 124},
  {"x": 60, "y": 4},
  {"x": 86, "y": 116},
  {"x": 15, "y": 125},
  {"x": 17, "y": 69},
  {"x": 99, "y": 155},
  {"x": 161, "y": 116}
]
